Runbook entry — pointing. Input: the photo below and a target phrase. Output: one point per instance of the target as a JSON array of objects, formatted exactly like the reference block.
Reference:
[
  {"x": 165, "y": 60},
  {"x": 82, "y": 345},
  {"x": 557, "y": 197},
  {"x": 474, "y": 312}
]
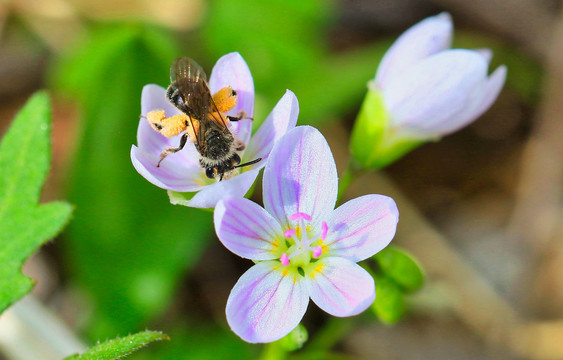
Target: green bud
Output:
[
  {"x": 400, "y": 266},
  {"x": 375, "y": 143},
  {"x": 295, "y": 339},
  {"x": 389, "y": 304}
]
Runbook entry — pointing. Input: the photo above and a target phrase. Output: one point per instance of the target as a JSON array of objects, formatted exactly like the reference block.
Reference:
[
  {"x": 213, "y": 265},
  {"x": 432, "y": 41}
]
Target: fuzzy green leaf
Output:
[
  {"x": 25, "y": 153},
  {"x": 120, "y": 347}
]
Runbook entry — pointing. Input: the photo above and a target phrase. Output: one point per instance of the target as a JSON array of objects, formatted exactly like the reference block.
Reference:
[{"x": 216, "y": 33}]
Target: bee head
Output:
[{"x": 210, "y": 172}]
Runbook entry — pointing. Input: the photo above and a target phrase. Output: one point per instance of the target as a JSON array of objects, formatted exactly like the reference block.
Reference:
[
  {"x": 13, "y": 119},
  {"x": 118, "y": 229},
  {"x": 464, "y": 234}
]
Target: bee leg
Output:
[
  {"x": 172, "y": 150},
  {"x": 241, "y": 115}
]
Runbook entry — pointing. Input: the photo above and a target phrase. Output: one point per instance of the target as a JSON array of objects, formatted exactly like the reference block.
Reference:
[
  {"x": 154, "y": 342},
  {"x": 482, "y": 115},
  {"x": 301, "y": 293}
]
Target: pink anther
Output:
[
  {"x": 324, "y": 230},
  {"x": 289, "y": 233},
  {"x": 284, "y": 259},
  {"x": 299, "y": 216},
  {"x": 317, "y": 251}
]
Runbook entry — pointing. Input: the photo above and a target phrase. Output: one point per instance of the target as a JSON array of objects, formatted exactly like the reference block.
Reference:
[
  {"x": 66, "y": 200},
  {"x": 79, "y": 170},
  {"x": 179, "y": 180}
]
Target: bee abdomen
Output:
[
  {"x": 175, "y": 97},
  {"x": 219, "y": 145}
]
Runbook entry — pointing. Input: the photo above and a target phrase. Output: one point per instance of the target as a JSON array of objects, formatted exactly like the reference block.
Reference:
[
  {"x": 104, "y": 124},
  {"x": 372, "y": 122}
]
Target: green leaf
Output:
[
  {"x": 277, "y": 38},
  {"x": 335, "y": 85},
  {"x": 120, "y": 347},
  {"x": 25, "y": 153},
  {"x": 285, "y": 45},
  {"x": 401, "y": 266},
  {"x": 127, "y": 246},
  {"x": 389, "y": 304}
]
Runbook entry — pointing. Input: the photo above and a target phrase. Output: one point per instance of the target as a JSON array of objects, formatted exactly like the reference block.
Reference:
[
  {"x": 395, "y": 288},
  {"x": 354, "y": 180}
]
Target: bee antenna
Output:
[{"x": 249, "y": 163}]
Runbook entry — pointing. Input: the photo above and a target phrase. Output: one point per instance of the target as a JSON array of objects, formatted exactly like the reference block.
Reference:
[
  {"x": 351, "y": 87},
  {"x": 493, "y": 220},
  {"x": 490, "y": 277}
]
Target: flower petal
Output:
[
  {"x": 236, "y": 186},
  {"x": 361, "y": 227},
  {"x": 153, "y": 97},
  {"x": 486, "y": 53},
  {"x": 340, "y": 287},
  {"x": 428, "y": 37},
  {"x": 246, "y": 229},
  {"x": 492, "y": 90},
  {"x": 432, "y": 97},
  {"x": 232, "y": 70},
  {"x": 486, "y": 96},
  {"x": 265, "y": 305},
  {"x": 282, "y": 119},
  {"x": 176, "y": 175},
  {"x": 300, "y": 176}
]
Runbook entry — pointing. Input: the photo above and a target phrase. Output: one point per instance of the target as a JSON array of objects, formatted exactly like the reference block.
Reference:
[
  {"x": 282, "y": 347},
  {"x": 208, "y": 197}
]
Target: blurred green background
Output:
[{"x": 129, "y": 260}]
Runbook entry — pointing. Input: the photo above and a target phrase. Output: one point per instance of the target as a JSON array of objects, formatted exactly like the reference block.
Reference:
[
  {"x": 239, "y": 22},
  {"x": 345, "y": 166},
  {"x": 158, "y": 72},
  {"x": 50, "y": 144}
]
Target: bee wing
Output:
[
  {"x": 191, "y": 80},
  {"x": 186, "y": 68}
]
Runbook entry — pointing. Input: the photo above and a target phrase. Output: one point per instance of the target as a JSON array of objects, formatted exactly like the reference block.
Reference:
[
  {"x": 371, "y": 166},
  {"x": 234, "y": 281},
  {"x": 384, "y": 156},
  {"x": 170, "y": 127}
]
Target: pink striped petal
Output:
[
  {"x": 426, "y": 38},
  {"x": 265, "y": 305},
  {"x": 361, "y": 227},
  {"x": 210, "y": 195},
  {"x": 247, "y": 230},
  {"x": 340, "y": 287},
  {"x": 282, "y": 119},
  {"x": 300, "y": 176},
  {"x": 171, "y": 175},
  {"x": 232, "y": 70}
]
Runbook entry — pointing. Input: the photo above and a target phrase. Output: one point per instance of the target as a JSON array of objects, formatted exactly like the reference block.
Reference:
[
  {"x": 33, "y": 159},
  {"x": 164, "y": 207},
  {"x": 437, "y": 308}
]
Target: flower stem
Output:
[
  {"x": 353, "y": 170},
  {"x": 332, "y": 333}
]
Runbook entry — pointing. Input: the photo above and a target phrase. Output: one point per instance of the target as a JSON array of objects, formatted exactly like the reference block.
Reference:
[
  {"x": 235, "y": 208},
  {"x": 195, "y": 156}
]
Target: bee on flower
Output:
[{"x": 189, "y": 171}]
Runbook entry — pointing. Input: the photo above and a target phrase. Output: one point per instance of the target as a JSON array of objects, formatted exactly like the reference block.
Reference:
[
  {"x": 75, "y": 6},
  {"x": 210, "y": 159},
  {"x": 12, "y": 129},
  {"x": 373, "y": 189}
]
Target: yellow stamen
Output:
[{"x": 317, "y": 270}]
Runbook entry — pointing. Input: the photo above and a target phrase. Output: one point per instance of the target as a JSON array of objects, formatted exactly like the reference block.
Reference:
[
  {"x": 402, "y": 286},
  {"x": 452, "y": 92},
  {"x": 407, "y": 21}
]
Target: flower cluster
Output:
[{"x": 304, "y": 248}]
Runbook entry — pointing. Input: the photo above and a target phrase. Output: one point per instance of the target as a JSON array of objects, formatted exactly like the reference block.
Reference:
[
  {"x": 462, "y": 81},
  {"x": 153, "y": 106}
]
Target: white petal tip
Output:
[
  {"x": 486, "y": 53},
  {"x": 446, "y": 16}
]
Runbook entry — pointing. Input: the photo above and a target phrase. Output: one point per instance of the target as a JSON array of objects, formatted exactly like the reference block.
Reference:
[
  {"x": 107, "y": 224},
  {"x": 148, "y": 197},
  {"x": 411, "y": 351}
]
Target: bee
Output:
[{"x": 202, "y": 118}]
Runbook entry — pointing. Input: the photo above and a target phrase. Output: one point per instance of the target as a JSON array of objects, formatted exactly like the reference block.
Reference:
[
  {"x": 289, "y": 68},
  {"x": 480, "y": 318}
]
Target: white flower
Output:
[{"x": 430, "y": 90}]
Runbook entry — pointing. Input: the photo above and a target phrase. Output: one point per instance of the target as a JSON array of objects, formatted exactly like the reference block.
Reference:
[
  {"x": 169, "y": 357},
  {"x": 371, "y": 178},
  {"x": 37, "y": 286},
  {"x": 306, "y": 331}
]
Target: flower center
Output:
[{"x": 303, "y": 243}]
